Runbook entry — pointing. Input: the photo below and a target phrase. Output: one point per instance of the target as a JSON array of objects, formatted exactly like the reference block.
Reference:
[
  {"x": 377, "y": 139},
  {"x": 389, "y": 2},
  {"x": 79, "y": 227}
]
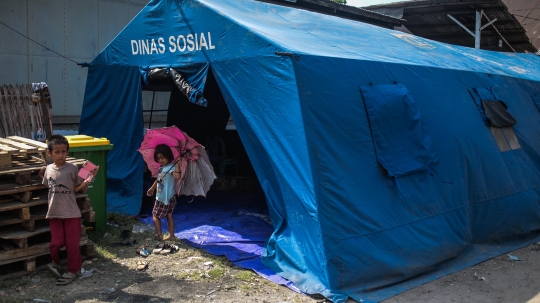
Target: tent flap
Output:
[{"x": 402, "y": 144}]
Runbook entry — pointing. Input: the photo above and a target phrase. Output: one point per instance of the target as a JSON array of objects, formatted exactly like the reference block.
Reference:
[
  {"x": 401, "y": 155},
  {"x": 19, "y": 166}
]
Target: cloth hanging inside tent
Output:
[{"x": 193, "y": 94}]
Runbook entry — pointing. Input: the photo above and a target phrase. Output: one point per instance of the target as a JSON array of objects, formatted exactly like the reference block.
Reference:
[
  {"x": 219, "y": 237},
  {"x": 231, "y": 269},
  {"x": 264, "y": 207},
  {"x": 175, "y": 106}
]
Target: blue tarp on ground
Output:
[
  {"x": 235, "y": 225},
  {"x": 342, "y": 225}
]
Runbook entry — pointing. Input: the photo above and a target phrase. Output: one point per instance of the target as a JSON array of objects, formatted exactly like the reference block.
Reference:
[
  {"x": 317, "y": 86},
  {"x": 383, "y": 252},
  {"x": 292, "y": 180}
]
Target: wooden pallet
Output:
[
  {"x": 22, "y": 220},
  {"x": 24, "y": 231},
  {"x": 20, "y": 146},
  {"x": 28, "y": 255}
]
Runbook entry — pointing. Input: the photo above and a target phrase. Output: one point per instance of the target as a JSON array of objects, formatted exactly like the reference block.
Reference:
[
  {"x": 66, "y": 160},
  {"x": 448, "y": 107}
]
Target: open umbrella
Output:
[{"x": 197, "y": 172}]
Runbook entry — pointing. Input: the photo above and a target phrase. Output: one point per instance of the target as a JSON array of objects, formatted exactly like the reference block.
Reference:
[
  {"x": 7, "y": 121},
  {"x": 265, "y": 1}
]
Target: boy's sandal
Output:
[
  {"x": 142, "y": 265},
  {"x": 158, "y": 238},
  {"x": 145, "y": 252},
  {"x": 158, "y": 248},
  {"x": 65, "y": 279},
  {"x": 142, "y": 250},
  {"x": 54, "y": 269}
]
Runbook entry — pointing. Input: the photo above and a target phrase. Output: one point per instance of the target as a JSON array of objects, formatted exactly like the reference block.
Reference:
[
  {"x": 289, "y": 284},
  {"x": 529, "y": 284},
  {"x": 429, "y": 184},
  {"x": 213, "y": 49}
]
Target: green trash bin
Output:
[{"x": 95, "y": 150}]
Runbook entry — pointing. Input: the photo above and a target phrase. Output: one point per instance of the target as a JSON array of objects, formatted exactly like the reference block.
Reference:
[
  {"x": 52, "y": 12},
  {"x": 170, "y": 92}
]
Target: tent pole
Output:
[
  {"x": 477, "y": 29},
  {"x": 152, "y": 109}
]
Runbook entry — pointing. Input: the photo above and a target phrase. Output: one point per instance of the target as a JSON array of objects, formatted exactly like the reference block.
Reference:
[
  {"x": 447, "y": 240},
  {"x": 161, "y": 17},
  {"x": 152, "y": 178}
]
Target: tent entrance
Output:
[
  {"x": 165, "y": 105},
  {"x": 233, "y": 220}
]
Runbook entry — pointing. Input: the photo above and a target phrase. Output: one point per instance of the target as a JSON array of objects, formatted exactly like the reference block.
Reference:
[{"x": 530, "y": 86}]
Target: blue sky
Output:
[{"x": 369, "y": 2}]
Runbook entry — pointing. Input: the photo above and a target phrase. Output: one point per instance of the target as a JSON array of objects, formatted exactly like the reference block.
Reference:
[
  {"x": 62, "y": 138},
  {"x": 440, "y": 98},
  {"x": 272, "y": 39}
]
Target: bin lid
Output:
[{"x": 84, "y": 140}]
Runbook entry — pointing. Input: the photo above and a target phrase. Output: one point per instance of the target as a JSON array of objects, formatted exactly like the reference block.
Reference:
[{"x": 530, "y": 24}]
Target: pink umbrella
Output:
[{"x": 198, "y": 174}]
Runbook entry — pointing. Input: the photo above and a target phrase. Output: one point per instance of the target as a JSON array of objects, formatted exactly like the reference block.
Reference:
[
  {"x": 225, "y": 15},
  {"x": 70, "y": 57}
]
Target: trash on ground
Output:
[
  {"x": 86, "y": 273},
  {"x": 141, "y": 228},
  {"x": 480, "y": 278},
  {"x": 35, "y": 280},
  {"x": 41, "y": 300},
  {"x": 108, "y": 291},
  {"x": 514, "y": 258},
  {"x": 208, "y": 263}
]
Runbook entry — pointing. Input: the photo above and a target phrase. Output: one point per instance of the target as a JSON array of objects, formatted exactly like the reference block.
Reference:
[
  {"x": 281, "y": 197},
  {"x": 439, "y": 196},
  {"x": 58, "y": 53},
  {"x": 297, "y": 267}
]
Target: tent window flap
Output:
[
  {"x": 402, "y": 144},
  {"x": 495, "y": 114}
]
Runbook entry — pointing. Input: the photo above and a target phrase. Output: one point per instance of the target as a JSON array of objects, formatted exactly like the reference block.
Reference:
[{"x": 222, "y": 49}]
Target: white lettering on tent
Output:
[
  {"x": 210, "y": 41},
  {"x": 153, "y": 47},
  {"x": 203, "y": 42},
  {"x": 172, "y": 43},
  {"x": 161, "y": 45},
  {"x": 180, "y": 43},
  {"x": 191, "y": 45},
  {"x": 144, "y": 47},
  {"x": 134, "y": 47},
  {"x": 184, "y": 45}
]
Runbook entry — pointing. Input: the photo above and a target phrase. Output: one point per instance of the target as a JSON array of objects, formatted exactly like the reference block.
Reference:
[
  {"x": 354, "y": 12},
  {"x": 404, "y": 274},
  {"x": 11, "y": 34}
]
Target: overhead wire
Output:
[{"x": 38, "y": 43}]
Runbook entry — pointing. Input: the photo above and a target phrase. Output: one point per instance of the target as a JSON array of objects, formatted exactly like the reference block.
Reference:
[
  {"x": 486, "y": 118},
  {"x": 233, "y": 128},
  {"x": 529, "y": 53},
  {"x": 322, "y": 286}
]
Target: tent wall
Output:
[
  {"x": 113, "y": 110},
  {"x": 279, "y": 156},
  {"x": 405, "y": 226}
]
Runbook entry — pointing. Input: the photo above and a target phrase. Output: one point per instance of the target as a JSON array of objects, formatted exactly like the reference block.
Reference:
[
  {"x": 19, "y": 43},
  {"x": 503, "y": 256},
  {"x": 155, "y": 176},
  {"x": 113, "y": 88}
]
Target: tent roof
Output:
[
  {"x": 428, "y": 19},
  {"x": 332, "y": 8}
]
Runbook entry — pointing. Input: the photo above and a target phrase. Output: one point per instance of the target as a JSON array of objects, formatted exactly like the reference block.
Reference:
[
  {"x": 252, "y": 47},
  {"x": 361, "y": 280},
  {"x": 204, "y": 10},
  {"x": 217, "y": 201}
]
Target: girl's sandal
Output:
[
  {"x": 65, "y": 279},
  {"x": 159, "y": 247},
  {"x": 166, "y": 250},
  {"x": 174, "y": 248}
]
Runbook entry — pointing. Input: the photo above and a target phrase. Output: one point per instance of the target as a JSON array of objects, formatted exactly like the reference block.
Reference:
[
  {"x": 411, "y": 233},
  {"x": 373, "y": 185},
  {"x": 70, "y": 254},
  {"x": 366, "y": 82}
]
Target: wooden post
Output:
[
  {"x": 21, "y": 243},
  {"x": 89, "y": 216},
  {"x": 23, "y": 197},
  {"x": 23, "y": 213},
  {"x": 23, "y": 178},
  {"x": 88, "y": 249},
  {"x": 30, "y": 264},
  {"x": 29, "y": 225},
  {"x": 5, "y": 160}
]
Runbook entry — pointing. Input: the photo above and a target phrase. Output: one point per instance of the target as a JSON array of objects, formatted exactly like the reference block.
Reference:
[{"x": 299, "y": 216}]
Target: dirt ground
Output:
[
  {"x": 498, "y": 280},
  {"x": 192, "y": 275}
]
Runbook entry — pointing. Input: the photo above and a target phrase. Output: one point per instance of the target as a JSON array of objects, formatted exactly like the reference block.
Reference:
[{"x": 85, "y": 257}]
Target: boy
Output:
[{"x": 63, "y": 213}]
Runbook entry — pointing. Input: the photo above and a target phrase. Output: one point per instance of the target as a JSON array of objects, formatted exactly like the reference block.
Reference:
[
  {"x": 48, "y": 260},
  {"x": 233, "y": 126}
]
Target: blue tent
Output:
[{"x": 381, "y": 165}]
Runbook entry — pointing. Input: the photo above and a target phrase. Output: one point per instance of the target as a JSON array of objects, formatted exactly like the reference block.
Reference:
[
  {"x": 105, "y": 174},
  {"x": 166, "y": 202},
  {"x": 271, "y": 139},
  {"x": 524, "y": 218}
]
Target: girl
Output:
[{"x": 165, "y": 197}]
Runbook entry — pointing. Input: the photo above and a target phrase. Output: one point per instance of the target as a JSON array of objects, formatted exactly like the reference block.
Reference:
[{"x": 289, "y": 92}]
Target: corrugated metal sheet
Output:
[
  {"x": 76, "y": 29},
  {"x": 332, "y": 8},
  {"x": 428, "y": 19},
  {"x": 527, "y": 12}
]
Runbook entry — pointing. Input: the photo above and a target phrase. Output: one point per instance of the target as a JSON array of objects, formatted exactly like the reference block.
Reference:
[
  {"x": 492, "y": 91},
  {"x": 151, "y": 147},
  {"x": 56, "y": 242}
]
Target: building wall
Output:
[{"x": 76, "y": 29}]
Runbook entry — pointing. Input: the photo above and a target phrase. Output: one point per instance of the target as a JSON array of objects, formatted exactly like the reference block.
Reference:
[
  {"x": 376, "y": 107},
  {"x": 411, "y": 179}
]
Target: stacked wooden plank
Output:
[{"x": 24, "y": 231}]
